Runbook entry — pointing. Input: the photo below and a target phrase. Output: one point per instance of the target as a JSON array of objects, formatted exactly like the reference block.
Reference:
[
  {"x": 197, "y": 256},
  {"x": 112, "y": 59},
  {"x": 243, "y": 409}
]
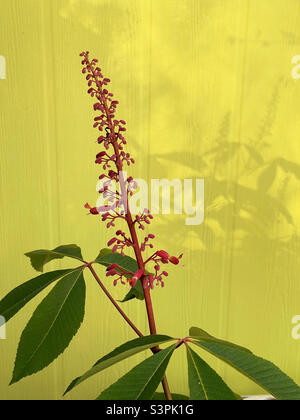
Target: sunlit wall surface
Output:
[{"x": 210, "y": 89}]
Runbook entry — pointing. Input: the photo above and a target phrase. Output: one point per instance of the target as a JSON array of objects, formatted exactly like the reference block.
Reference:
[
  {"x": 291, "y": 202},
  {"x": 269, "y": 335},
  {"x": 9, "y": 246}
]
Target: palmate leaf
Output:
[
  {"x": 202, "y": 335},
  {"x": 52, "y": 326},
  {"x": 42, "y": 256},
  {"x": 204, "y": 382},
  {"x": 20, "y": 296},
  {"x": 259, "y": 370},
  {"x": 121, "y": 353},
  {"x": 142, "y": 381},
  {"x": 107, "y": 257}
]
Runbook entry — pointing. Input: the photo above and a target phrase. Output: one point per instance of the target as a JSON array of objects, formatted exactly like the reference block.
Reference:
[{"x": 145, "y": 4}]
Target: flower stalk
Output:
[{"x": 117, "y": 207}]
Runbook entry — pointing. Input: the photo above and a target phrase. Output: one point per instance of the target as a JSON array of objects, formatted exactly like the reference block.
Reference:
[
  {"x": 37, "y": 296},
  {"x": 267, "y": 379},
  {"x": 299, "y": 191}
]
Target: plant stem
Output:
[
  {"x": 137, "y": 331},
  {"x": 131, "y": 226},
  {"x": 131, "y": 324}
]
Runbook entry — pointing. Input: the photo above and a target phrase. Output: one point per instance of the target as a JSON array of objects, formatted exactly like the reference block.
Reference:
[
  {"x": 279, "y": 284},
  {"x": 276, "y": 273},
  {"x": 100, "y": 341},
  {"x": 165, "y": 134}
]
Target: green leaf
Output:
[
  {"x": 259, "y": 370},
  {"x": 160, "y": 396},
  {"x": 19, "y": 297},
  {"x": 204, "y": 382},
  {"x": 142, "y": 381},
  {"x": 120, "y": 353},
  {"x": 106, "y": 258},
  {"x": 136, "y": 292},
  {"x": 104, "y": 252},
  {"x": 42, "y": 256},
  {"x": 52, "y": 326},
  {"x": 202, "y": 335}
]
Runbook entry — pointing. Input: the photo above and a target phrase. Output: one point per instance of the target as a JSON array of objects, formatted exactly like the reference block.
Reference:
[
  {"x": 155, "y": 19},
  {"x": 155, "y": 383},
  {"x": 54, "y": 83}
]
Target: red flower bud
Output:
[
  {"x": 94, "y": 210},
  {"x": 174, "y": 260},
  {"x": 101, "y": 154},
  {"x": 112, "y": 173},
  {"x": 111, "y": 273},
  {"x": 163, "y": 254},
  {"x": 112, "y": 267}
]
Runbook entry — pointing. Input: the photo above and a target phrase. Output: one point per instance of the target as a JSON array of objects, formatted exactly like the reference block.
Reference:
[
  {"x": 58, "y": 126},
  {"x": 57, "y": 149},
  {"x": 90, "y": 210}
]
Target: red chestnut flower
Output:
[{"x": 112, "y": 159}]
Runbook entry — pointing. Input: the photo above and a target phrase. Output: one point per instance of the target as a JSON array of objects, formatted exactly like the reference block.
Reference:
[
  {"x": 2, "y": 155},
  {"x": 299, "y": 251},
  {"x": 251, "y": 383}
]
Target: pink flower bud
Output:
[
  {"x": 112, "y": 241},
  {"x": 102, "y": 209},
  {"x": 111, "y": 273}
]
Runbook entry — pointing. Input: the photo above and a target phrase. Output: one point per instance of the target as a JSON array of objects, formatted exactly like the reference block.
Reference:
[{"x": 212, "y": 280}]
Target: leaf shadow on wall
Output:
[{"x": 246, "y": 251}]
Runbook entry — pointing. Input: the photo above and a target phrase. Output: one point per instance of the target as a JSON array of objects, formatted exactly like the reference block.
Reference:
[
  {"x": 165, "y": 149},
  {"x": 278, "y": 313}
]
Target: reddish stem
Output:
[
  {"x": 131, "y": 324},
  {"x": 131, "y": 226},
  {"x": 114, "y": 302}
]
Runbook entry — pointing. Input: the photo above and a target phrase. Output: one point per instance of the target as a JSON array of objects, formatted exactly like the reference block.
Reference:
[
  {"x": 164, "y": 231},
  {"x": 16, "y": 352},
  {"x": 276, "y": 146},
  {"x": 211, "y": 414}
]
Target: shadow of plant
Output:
[{"x": 247, "y": 203}]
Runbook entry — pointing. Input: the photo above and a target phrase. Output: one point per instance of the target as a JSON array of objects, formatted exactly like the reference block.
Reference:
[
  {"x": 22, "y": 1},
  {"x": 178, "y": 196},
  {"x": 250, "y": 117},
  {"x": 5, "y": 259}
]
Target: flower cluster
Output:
[
  {"x": 159, "y": 258},
  {"x": 112, "y": 159},
  {"x": 119, "y": 242},
  {"x": 106, "y": 107}
]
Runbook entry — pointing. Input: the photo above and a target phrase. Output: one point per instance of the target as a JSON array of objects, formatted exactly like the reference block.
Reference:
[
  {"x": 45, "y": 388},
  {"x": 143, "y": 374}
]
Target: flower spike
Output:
[{"x": 112, "y": 159}]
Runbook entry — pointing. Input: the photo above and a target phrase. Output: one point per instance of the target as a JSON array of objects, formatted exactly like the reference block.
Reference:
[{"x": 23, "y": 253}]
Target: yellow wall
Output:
[{"x": 206, "y": 88}]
